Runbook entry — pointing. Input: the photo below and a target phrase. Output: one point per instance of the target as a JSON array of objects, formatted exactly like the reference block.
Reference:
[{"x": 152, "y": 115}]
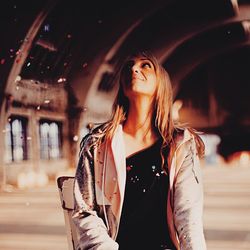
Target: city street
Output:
[{"x": 33, "y": 219}]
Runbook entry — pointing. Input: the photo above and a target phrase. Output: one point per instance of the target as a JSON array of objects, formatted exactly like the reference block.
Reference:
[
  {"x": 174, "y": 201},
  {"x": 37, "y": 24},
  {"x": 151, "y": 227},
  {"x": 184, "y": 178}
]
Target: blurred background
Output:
[{"x": 58, "y": 62}]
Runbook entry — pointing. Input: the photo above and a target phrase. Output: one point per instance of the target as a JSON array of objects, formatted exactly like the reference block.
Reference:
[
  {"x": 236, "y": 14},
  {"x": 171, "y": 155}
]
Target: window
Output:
[
  {"x": 16, "y": 139},
  {"x": 50, "y": 139}
]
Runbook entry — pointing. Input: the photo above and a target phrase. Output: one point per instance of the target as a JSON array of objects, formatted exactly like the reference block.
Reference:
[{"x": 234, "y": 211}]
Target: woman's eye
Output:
[{"x": 146, "y": 65}]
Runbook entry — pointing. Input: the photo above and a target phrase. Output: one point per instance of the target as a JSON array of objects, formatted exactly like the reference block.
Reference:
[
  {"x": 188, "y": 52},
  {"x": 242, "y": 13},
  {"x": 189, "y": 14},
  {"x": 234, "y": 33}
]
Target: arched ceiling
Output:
[{"x": 204, "y": 45}]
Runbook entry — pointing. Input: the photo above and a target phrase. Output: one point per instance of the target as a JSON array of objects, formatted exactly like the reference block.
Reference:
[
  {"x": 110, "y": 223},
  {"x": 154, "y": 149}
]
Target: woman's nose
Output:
[{"x": 135, "y": 69}]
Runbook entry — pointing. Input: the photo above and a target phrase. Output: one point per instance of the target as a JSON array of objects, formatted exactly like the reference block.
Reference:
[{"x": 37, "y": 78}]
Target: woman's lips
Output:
[{"x": 137, "y": 78}]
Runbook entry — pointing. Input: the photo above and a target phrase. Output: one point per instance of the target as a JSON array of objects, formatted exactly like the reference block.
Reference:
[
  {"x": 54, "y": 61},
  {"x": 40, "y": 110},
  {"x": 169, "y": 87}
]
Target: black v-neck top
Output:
[{"x": 143, "y": 222}]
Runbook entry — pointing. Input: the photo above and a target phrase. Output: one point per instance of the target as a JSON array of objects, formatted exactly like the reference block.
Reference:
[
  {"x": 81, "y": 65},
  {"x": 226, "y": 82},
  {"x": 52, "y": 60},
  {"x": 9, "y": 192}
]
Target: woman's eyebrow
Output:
[{"x": 147, "y": 60}]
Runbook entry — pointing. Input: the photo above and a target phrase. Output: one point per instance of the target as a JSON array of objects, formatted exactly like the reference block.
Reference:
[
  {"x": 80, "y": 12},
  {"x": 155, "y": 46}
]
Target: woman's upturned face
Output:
[{"x": 139, "y": 77}]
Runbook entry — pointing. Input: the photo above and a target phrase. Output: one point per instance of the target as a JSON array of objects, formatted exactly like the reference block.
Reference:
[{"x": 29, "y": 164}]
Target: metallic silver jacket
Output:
[{"x": 100, "y": 185}]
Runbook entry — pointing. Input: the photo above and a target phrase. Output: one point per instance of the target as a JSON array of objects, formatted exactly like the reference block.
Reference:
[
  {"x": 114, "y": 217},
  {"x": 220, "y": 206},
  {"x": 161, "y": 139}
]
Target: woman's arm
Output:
[
  {"x": 91, "y": 229},
  {"x": 188, "y": 202}
]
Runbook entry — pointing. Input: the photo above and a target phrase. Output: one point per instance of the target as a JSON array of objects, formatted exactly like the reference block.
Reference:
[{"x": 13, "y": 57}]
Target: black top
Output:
[{"x": 143, "y": 222}]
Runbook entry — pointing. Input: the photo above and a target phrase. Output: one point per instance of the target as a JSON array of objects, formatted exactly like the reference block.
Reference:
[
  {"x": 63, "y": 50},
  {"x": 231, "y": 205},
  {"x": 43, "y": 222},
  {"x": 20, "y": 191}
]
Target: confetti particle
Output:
[
  {"x": 129, "y": 168},
  {"x": 75, "y": 138},
  {"x": 46, "y": 101},
  {"x": 29, "y": 138},
  {"x": 28, "y": 64},
  {"x": 84, "y": 65},
  {"x": 61, "y": 80},
  {"x": 46, "y": 27},
  {"x": 18, "y": 78},
  {"x": 38, "y": 107}
]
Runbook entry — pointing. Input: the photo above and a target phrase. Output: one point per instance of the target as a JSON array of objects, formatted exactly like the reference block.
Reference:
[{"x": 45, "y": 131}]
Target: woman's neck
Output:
[{"x": 139, "y": 120}]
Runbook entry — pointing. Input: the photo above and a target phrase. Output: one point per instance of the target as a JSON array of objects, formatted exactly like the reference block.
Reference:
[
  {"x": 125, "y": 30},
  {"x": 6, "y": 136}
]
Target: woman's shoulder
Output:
[
  {"x": 189, "y": 135},
  {"x": 185, "y": 133},
  {"x": 97, "y": 132}
]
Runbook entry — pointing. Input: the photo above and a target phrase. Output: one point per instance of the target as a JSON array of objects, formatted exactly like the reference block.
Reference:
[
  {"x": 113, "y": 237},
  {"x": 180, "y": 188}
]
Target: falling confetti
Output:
[
  {"x": 46, "y": 101},
  {"x": 84, "y": 65},
  {"x": 18, "y": 52},
  {"x": 129, "y": 167},
  {"x": 18, "y": 79},
  {"x": 28, "y": 64},
  {"x": 75, "y": 138},
  {"x": 61, "y": 80},
  {"x": 46, "y": 28}
]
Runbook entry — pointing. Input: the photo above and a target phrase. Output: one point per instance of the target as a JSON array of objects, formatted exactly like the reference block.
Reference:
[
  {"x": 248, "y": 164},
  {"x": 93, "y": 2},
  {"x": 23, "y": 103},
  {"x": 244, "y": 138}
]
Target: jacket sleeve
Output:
[
  {"x": 188, "y": 202},
  {"x": 91, "y": 229}
]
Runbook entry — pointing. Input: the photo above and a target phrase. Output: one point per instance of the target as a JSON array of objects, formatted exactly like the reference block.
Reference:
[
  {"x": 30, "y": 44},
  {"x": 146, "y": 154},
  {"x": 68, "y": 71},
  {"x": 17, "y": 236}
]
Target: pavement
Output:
[{"x": 33, "y": 219}]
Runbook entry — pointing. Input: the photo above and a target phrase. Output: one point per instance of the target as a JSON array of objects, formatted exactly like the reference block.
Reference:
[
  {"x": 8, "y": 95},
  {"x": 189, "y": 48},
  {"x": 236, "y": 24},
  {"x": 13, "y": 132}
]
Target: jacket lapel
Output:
[
  {"x": 110, "y": 173},
  {"x": 118, "y": 153}
]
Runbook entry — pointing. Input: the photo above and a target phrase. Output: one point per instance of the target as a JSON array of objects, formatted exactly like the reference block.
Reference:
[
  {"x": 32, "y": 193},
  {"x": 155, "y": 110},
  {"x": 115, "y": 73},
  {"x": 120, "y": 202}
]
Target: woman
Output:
[{"x": 138, "y": 182}]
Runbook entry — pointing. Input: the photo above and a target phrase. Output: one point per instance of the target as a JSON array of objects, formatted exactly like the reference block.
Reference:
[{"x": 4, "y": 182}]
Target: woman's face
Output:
[{"x": 139, "y": 77}]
